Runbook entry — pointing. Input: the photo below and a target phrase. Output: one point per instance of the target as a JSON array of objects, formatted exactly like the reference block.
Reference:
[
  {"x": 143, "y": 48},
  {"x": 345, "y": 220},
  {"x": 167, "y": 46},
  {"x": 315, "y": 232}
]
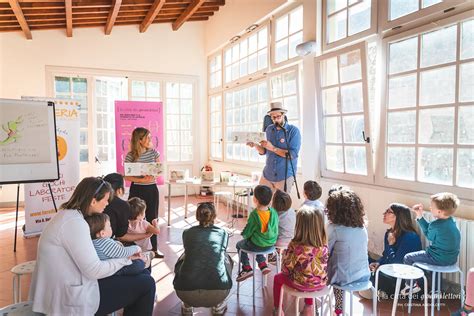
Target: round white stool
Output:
[
  {"x": 18, "y": 309},
  {"x": 222, "y": 195},
  {"x": 406, "y": 272},
  {"x": 254, "y": 259},
  {"x": 278, "y": 252},
  {"x": 19, "y": 270},
  {"x": 357, "y": 286},
  {"x": 323, "y": 294},
  {"x": 438, "y": 271}
]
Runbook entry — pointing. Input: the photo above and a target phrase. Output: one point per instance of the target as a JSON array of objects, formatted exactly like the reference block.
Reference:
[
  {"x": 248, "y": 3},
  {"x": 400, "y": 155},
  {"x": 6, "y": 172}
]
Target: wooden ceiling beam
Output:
[
  {"x": 15, "y": 5},
  {"x": 68, "y": 6},
  {"x": 187, "y": 14},
  {"x": 155, "y": 9},
  {"x": 112, "y": 16}
]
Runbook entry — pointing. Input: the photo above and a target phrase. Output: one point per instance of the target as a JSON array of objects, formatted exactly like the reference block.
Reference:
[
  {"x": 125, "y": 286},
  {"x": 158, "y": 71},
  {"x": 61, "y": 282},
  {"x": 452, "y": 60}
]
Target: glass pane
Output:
[
  {"x": 401, "y": 163},
  {"x": 173, "y": 153},
  {"x": 79, "y": 85},
  {"x": 427, "y": 3},
  {"x": 62, "y": 84},
  {"x": 252, "y": 63},
  {"x": 235, "y": 71},
  {"x": 332, "y": 129},
  {"x": 138, "y": 88},
  {"x": 402, "y": 91},
  {"x": 438, "y": 47},
  {"x": 353, "y": 128},
  {"x": 335, "y": 5},
  {"x": 349, "y": 66},
  {"x": 465, "y": 170},
  {"x": 281, "y": 48},
  {"x": 172, "y": 138},
  {"x": 262, "y": 92},
  {"x": 356, "y": 161},
  {"x": 186, "y": 106},
  {"x": 276, "y": 87},
  {"x": 172, "y": 122},
  {"x": 330, "y": 101},
  {"x": 83, "y": 137},
  {"x": 172, "y": 106},
  {"x": 399, "y": 8},
  {"x": 401, "y": 127},
  {"x": 359, "y": 17},
  {"x": 228, "y": 74},
  {"x": 289, "y": 83},
  {"x": 153, "y": 89},
  {"x": 186, "y": 90},
  {"x": 466, "y": 86},
  {"x": 252, "y": 44},
  {"x": 262, "y": 38},
  {"x": 334, "y": 159},
  {"x": 243, "y": 67},
  {"x": 186, "y": 138},
  {"x": 435, "y": 165},
  {"x": 262, "y": 59},
  {"x": 466, "y": 123},
  {"x": 437, "y": 126},
  {"x": 281, "y": 29},
  {"x": 467, "y": 39},
  {"x": 228, "y": 57},
  {"x": 329, "y": 72},
  {"x": 186, "y": 153},
  {"x": 243, "y": 48},
  {"x": 403, "y": 55},
  {"x": 352, "y": 100},
  {"x": 294, "y": 41},
  {"x": 296, "y": 20},
  {"x": 235, "y": 53},
  {"x": 438, "y": 86},
  {"x": 172, "y": 90},
  {"x": 291, "y": 104},
  {"x": 336, "y": 27},
  {"x": 84, "y": 155}
]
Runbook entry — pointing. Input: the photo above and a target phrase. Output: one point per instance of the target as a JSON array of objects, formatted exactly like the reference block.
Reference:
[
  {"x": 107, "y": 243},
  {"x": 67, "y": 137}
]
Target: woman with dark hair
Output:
[
  {"x": 69, "y": 277},
  {"x": 203, "y": 273},
  {"x": 401, "y": 238},
  {"x": 144, "y": 187},
  {"x": 347, "y": 241}
]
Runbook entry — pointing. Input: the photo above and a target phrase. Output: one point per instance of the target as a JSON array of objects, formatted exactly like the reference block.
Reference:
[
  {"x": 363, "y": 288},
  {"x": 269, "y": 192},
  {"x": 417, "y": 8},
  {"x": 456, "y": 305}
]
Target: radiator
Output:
[{"x": 466, "y": 251}]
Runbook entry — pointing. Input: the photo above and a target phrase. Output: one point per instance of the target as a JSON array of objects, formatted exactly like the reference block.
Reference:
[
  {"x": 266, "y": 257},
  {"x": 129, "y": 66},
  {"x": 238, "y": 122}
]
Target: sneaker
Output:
[
  {"x": 264, "y": 268},
  {"x": 219, "y": 309},
  {"x": 272, "y": 259},
  {"x": 186, "y": 310},
  {"x": 148, "y": 256},
  {"x": 406, "y": 290},
  {"x": 244, "y": 274}
]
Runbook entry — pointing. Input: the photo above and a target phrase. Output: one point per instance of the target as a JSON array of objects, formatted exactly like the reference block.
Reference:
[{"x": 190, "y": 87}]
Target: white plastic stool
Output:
[
  {"x": 357, "y": 286},
  {"x": 19, "y": 270},
  {"x": 18, "y": 309},
  {"x": 438, "y": 271},
  {"x": 222, "y": 194},
  {"x": 278, "y": 252},
  {"x": 401, "y": 271},
  {"x": 324, "y": 295},
  {"x": 254, "y": 259}
]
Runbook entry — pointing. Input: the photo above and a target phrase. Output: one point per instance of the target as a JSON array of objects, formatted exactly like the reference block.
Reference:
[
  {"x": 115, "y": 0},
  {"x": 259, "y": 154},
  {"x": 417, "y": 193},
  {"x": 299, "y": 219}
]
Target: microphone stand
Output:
[{"x": 288, "y": 158}]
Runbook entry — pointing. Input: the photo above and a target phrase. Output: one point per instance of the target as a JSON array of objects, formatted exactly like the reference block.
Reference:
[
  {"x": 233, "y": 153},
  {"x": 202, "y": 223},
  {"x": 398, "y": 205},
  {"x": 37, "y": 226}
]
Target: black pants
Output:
[
  {"x": 149, "y": 193},
  {"x": 134, "y": 293}
]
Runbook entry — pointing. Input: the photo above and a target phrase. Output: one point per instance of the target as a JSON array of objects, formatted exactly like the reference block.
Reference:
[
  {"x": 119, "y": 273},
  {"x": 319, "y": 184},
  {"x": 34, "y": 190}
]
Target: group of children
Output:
[
  {"x": 107, "y": 248},
  {"x": 328, "y": 245}
]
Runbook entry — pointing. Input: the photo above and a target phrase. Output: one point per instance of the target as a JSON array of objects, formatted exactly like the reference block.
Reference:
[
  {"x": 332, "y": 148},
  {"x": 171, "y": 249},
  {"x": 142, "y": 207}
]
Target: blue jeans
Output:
[
  {"x": 136, "y": 267},
  {"x": 246, "y": 244},
  {"x": 419, "y": 256}
]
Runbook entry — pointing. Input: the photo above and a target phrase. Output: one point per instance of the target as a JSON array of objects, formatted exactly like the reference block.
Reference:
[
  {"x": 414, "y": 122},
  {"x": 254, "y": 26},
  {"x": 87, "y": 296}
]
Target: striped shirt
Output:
[
  {"x": 150, "y": 155},
  {"x": 107, "y": 248}
]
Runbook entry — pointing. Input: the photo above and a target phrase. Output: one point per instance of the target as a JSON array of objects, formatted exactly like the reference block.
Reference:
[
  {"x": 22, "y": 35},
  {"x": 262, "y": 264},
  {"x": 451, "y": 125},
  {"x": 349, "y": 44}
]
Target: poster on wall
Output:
[
  {"x": 132, "y": 114},
  {"x": 39, "y": 208}
]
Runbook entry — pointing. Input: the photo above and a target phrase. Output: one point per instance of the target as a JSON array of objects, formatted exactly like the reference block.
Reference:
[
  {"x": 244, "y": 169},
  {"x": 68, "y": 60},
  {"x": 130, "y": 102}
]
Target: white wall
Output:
[{"x": 159, "y": 50}]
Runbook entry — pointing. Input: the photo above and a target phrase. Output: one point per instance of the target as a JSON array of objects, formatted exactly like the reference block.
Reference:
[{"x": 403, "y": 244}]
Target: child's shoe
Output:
[
  {"x": 264, "y": 268},
  {"x": 186, "y": 310},
  {"x": 244, "y": 274},
  {"x": 406, "y": 290},
  {"x": 272, "y": 259},
  {"x": 148, "y": 256},
  {"x": 219, "y": 309}
]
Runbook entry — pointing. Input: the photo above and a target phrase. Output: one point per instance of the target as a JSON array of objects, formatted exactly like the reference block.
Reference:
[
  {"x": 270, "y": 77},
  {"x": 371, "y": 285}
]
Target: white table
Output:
[
  {"x": 406, "y": 272},
  {"x": 243, "y": 184}
]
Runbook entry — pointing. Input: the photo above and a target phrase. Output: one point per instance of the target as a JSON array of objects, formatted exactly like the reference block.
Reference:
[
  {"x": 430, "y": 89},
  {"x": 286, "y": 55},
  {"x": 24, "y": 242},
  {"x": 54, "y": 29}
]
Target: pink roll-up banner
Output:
[{"x": 132, "y": 114}]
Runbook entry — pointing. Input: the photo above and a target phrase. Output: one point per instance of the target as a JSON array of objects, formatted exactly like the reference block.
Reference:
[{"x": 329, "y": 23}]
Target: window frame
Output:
[
  {"x": 386, "y": 24},
  {"x": 349, "y": 38},
  {"x": 211, "y": 157},
  {"x": 380, "y": 172},
  {"x": 330, "y": 174},
  {"x": 273, "y": 41},
  {"x": 259, "y": 73}
]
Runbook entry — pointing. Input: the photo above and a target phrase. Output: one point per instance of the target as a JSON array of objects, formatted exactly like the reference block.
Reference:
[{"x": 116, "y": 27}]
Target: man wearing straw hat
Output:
[{"x": 281, "y": 149}]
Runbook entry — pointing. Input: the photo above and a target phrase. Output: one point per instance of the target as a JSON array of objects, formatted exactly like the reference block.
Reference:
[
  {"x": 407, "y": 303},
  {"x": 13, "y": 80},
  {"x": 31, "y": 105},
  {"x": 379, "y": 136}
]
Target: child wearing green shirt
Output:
[{"x": 260, "y": 233}]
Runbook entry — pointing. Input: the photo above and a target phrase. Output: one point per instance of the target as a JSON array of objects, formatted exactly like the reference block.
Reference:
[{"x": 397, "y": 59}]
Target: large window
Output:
[
  {"x": 142, "y": 90},
  {"x": 343, "y": 100},
  {"x": 288, "y": 33},
  {"x": 245, "y": 109},
  {"x": 347, "y": 20},
  {"x": 247, "y": 56},
  {"x": 430, "y": 107},
  {"x": 215, "y": 71},
  {"x": 284, "y": 89},
  {"x": 215, "y": 123}
]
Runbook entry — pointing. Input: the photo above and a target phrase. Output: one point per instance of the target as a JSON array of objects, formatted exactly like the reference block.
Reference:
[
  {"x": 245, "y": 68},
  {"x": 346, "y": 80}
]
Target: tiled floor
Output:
[{"x": 170, "y": 244}]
